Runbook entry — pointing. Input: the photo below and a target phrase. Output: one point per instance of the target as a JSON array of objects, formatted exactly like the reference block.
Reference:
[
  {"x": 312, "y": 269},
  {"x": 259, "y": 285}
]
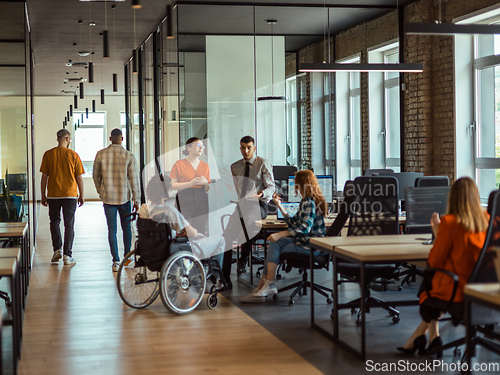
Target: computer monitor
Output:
[
  {"x": 290, "y": 207},
  {"x": 422, "y": 202},
  {"x": 17, "y": 182},
  {"x": 325, "y": 183},
  {"x": 405, "y": 180}
]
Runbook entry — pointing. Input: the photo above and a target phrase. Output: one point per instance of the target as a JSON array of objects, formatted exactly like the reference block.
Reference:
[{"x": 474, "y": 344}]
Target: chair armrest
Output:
[{"x": 429, "y": 274}]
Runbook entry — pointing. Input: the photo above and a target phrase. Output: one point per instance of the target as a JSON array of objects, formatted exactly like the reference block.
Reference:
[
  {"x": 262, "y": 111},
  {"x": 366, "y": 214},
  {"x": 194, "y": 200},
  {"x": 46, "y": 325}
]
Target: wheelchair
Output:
[{"x": 160, "y": 265}]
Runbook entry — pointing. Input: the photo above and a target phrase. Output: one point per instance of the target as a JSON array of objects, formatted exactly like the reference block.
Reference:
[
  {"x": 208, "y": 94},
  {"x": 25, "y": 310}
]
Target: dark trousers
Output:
[
  {"x": 68, "y": 208},
  {"x": 193, "y": 204},
  {"x": 246, "y": 247}
]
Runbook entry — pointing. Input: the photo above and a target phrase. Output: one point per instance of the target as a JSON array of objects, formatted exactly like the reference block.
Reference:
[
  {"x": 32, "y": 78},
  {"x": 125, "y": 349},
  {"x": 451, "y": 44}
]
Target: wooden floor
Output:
[{"x": 76, "y": 323}]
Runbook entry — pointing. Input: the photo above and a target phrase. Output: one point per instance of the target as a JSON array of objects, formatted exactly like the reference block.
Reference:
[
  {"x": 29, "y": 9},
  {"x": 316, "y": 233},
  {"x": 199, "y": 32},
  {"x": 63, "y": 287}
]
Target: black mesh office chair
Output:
[
  {"x": 374, "y": 211},
  {"x": 412, "y": 270},
  {"x": 374, "y": 172},
  {"x": 321, "y": 260},
  {"x": 431, "y": 181},
  {"x": 483, "y": 318}
]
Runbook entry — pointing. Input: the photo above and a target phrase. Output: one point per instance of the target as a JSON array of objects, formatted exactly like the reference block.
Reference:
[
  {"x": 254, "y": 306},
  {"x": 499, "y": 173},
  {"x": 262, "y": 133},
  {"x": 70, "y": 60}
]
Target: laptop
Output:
[{"x": 290, "y": 207}]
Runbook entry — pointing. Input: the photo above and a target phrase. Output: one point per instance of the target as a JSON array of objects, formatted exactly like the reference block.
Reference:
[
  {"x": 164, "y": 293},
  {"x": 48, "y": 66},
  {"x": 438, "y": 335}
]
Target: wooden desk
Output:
[
  {"x": 483, "y": 294},
  {"x": 9, "y": 268},
  {"x": 20, "y": 230},
  {"x": 362, "y": 251}
]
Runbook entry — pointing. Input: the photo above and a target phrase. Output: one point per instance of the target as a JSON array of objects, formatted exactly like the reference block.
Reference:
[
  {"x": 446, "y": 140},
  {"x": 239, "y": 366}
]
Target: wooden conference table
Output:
[{"x": 363, "y": 250}]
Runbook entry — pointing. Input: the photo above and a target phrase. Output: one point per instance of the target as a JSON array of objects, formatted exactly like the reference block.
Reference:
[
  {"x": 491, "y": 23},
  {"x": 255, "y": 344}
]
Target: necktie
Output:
[{"x": 245, "y": 180}]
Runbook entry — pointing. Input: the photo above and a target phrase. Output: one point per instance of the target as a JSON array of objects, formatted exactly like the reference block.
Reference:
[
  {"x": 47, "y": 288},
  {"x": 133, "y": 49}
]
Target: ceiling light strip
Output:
[
  {"x": 360, "y": 67},
  {"x": 449, "y": 29}
]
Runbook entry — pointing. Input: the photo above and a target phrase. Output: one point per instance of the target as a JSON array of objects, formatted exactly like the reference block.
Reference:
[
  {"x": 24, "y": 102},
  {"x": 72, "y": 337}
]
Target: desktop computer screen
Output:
[
  {"x": 325, "y": 183},
  {"x": 422, "y": 202},
  {"x": 290, "y": 207},
  {"x": 405, "y": 180}
]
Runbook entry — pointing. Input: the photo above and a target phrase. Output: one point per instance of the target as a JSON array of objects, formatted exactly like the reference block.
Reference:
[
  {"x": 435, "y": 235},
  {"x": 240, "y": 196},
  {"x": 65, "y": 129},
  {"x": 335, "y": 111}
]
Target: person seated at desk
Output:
[
  {"x": 460, "y": 235},
  {"x": 308, "y": 222},
  {"x": 159, "y": 210}
]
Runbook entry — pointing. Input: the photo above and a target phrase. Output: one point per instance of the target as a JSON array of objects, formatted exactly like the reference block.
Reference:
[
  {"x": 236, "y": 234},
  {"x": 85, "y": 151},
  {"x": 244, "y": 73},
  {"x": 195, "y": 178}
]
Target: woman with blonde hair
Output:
[
  {"x": 460, "y": 235},
  {"x": 308, "y": 222}
]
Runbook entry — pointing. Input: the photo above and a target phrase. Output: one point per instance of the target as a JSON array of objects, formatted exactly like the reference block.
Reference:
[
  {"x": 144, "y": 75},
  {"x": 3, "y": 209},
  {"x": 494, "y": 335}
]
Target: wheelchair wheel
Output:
[
  {"x": 138, "y": 286},
  {"x": 182, "y": 283}
]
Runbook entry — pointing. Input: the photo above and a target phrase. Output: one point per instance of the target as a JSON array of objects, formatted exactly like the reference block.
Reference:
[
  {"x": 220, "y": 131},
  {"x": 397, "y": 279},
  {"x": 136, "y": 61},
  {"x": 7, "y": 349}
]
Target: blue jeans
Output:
[
  {"x": 68, "y": 208},
  {"x": 111, "y": 211},
  {"x": 284, "y": 245}
]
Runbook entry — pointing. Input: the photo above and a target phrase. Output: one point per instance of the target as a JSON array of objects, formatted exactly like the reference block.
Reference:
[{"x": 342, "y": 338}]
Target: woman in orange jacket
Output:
[{"x": 460, "y": 235}]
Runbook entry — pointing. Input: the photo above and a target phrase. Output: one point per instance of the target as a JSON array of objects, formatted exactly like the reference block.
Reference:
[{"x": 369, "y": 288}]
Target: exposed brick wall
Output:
[{"x": 429, "y": 108}]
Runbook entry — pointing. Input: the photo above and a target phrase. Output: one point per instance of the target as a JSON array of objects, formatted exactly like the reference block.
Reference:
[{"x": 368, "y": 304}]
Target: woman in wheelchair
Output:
[
  {"x": 157, "y": 192},
  {"x": 460, "y": 235},
  {"x": 308, "y": 222}
]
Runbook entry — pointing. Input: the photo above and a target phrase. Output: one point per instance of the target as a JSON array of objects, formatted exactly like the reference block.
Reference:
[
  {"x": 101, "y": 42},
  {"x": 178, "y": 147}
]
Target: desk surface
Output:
[
  {"x": 383, "y": 252},
  {"x": 13, "y": 231},
  {"x": 272, "y": 221},
  {"x": 14, "y": 224},
  {"x": 487, "y": 292},
  {"x": 329, "y": 243}
]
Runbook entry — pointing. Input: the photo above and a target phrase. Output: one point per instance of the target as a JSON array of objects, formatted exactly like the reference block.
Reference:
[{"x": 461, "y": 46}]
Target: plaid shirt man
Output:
[
  {"x": 115, "y": 175},
  {"x": 307, "y": 222}
]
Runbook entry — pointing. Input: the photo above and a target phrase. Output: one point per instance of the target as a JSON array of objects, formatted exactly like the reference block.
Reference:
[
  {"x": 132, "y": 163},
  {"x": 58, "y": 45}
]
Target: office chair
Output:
[
  {"x": 412, "y": 271},
  {"x": 374, "y": 211},
  {"x": 321, "y": 260},
  {"x": 371, "y": 172},
  {"x": 483, "y": 318},
  {"x": 431, "y": 181}
]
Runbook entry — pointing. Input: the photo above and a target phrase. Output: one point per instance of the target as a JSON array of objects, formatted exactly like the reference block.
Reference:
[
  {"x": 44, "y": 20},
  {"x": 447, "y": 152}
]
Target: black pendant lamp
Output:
[
  {"x": 170, "y": 23},
  {"x": 71, "y": 110},
  {"x": 81, "y": 91},
  {"x": 105, "y": 44},
  {"x": 67, "y": 115},
  {"x": 93, "y": 106},
  {"x": 134, "y": 61},
  {"x": 91, "y": 72},
  {"x": 79, "y": 121},
  {"x": 86, "y": 112},
  {"x": 102, "y": 96},
  {"x": 136, "y": 4},
  {"x": 115, "y": 82},
  {"x": 75, "y": 101}
]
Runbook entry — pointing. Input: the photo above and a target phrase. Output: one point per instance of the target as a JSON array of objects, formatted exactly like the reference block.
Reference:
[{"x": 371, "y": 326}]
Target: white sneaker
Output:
[
  {"x": 57, "y": 255},
  {"x": 267, "y": 288},
  {"x": 115, "y": 266},
  {"x": 251, "y": 298},
  {"x": 69, "y": 261}
]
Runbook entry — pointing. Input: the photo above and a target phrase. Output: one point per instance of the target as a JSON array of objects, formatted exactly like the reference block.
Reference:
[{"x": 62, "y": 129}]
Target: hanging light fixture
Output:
[
  {"x": 67, "y": 115},
  {"x": 75, "y": 101},
  {"x": 81, "y": 90},
  {"x": 91, "y": 72},
  {"x": 115, "y": 76},
  {"x": 71, "y": 110},
  {"x": 272, "y": 98},
  {"x": 136, "y": 4},
  {"x": 105, "y": 36},
  {"x": 79, "y": 121},
  {"x": 170, "y": 23},
  {"x": 134, "y": 53},
  {"x": 102, "y": 96},
  {"x": 93, "y": 106},
  {"x": 87, "y": 112},
  {"x": 439, "y": 28},
  {"x": 359, "y": 67}
]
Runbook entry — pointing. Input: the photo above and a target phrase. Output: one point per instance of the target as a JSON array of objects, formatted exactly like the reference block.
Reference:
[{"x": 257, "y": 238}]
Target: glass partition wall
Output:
[
  {"x": 16, "y": 128},
  {"x": 210, "y": 65}
]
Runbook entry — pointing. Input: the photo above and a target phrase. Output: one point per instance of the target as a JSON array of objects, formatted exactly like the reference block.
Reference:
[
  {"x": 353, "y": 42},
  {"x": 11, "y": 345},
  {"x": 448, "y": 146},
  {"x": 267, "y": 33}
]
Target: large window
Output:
[
  {"x": 89, "y": 137},
  {"x": 486, "y": 75},
  {"x": 292, "y": 131}
]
